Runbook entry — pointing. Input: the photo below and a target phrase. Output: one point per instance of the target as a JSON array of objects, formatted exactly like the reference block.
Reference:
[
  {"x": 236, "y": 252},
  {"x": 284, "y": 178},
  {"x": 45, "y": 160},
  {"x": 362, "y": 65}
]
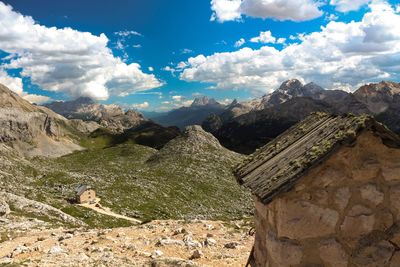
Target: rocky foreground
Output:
[{"x": 158, "y": 243}]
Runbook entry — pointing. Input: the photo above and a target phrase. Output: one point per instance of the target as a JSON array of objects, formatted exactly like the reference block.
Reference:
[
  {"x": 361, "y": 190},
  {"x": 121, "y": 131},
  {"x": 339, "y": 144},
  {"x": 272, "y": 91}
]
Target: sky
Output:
[{"x": 156, "y": 55}]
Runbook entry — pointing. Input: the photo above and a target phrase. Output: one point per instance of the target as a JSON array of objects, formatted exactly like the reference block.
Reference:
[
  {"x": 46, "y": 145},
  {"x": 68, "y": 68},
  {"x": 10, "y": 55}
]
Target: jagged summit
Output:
[
  {"x": 291, "y": 86},
  {"x": 234, "y": 102},
  {"x": 204, "y": 101},
  {"x": 84, "y": 100}
]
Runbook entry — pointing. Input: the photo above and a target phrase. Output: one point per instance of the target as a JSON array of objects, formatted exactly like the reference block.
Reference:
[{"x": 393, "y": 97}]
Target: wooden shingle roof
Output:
[
  {"x": 81, "y": 189},
  {"x": 275, "y": 168}
]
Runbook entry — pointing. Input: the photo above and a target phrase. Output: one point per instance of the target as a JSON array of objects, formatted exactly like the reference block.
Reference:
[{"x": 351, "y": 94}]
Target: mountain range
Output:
[
  {"x": 196, "y": 113},
  {"x": 244, "y": 127},
  {"x": 112, "y": 117},
  {"x": 239, "y": 126}
]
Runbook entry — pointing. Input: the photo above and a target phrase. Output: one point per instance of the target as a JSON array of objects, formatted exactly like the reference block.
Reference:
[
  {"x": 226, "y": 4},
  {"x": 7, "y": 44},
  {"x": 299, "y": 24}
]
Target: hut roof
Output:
[
  {"x": 82, "y": 188},
  {"x": 276, "y": 167}
]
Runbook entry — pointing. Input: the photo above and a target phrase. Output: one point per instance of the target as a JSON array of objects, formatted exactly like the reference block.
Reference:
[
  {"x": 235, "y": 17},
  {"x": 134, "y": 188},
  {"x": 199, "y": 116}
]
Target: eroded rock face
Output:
[
  {"x": 344, "y": 212},
  {"x": 33, "y": 130},
  {"x": 4, "y": 208}
]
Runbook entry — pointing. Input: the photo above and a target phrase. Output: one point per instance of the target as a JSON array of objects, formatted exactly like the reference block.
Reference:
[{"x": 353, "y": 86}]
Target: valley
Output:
[{"x": 150, "y": 178}]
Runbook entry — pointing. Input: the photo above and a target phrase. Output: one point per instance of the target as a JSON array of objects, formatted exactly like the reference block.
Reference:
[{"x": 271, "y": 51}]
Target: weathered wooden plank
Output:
[{"x": 279, "y": 163}]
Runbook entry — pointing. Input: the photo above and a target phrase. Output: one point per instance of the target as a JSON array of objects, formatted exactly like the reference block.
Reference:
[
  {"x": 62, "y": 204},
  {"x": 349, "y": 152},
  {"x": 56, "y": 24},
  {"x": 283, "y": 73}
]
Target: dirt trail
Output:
[{"x": 107, "y": 211}]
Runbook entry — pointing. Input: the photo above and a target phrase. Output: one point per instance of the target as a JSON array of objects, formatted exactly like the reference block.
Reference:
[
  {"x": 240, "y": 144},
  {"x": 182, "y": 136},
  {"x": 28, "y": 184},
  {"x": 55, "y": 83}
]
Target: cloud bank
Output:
[
  {"x": 348, "y": 5},
  {"x": 295, "y": 10},
  {"x": 340, "y": 55},
  {"x": 68, "y": 61}
]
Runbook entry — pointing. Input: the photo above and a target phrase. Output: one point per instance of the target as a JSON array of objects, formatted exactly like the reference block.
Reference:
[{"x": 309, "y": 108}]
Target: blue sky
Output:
[{"x": 160, "y": 34}]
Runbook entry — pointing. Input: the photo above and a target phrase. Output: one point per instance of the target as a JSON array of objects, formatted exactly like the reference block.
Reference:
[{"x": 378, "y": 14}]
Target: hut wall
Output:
[{"x": 344, "y": 212}]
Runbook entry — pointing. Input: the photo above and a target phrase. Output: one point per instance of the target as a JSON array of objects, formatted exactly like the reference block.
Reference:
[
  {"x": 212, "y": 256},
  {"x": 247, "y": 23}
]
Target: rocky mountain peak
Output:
[
  {"x": 204, "y": 101},
  {"x": 83, "y": 100},
  {"x": 384, "y": 87},
  {"x": 196, "y": 135},
  {"x": 312, "y": 88},
  {"x": 194, "y": 142},
  {"x": 378, "y": 97},
  {"x": 131, "y": 113},
  {"x": 291, "y": 87},
  {"x": 234, "y": 102}
]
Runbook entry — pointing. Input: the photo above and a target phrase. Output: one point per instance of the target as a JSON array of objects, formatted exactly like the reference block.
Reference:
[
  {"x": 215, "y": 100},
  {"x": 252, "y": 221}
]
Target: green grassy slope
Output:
[{"x": 188, "y": 187}]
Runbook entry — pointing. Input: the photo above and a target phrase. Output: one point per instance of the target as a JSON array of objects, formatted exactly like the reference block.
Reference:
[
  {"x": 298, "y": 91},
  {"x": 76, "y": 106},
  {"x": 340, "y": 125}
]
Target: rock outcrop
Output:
[
  {"x": 31, "y": 129},
  {"x": 41, "y": 209},
  {"x": 4, "y": 208}
]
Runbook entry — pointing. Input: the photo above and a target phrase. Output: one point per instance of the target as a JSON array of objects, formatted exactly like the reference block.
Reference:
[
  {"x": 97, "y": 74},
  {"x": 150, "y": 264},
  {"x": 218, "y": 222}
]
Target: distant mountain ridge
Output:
[
  {"x": 196, "y": 113},
  {"x": 112, "y": 117},
  {"x": 383, "y": 101},
  {"x": 243, "y": 127}
]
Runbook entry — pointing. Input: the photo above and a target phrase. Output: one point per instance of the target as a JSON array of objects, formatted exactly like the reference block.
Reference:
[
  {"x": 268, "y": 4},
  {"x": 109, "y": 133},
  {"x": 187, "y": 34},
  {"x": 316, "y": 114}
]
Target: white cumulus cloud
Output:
[
  {"x": 225, "y": 10},
  {"x": 178, "y": 98},
  {"x": 295, "y": 10},
  {"x": 143, "y": 105},
  {"x": 13, "y": 83},
  {"x": 339, "y": 55},
  {"x": 240, "y": 42},
  {"x": 68, "y": 61},
  {"x": 127, "y": 33},
  {"x": 267, "y": 38},
  {"x": 36, "y": 99},
  {"x": 348, "y": 5}
]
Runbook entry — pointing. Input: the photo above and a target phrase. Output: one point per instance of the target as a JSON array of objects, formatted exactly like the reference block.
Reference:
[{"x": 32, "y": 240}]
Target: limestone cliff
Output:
[{"x": 31, "y": 129}]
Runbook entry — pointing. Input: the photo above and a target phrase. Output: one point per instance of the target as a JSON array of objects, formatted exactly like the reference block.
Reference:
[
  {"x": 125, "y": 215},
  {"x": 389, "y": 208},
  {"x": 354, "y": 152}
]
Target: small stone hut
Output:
[
  {"x": 85, "y": 194},
  {"x": 327, "y": 193}
]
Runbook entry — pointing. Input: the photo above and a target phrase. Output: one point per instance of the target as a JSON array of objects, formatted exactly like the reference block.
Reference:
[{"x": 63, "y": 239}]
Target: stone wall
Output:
[
  {"x": 344, "y": 212},
  {"x": 87, "y": 196}
]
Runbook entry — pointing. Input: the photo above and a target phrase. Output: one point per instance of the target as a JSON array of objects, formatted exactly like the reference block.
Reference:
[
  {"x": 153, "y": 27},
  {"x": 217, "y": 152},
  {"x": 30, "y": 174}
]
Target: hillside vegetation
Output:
[{"x": 189, "y": 178}]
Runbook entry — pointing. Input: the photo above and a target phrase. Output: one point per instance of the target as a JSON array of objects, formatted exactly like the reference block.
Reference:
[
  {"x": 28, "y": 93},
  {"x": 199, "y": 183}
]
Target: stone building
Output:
[
  {"x": 327, "y": 193},
  {"x": 85, "y": 194}
]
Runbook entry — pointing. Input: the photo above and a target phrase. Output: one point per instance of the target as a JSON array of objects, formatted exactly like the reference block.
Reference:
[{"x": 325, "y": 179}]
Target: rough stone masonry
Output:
[{"x": 344, "y": 212}]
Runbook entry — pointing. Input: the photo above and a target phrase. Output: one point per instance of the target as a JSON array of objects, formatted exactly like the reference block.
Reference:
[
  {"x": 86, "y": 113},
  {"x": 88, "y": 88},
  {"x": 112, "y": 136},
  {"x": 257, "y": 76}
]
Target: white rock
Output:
[
  {"x": 157, "y": 254},
  {"x": 210, "y": 242},
  {"x": 56, "y": 250},
  {"x": 168, "y": 241}
]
